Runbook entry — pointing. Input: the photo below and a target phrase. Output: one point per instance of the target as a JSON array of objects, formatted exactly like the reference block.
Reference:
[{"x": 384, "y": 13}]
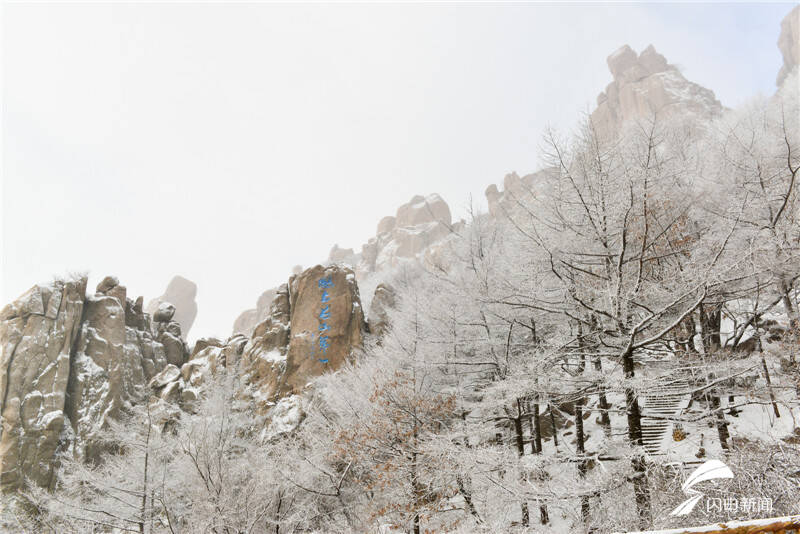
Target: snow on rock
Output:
[
  {"x": 111, "y": 365},
  {"x": 418, "y": 224},
  {"x": 285, "y": 416},
  {"x": 169, "y": 374},
  {"x": 274, "y": 356},
  {"x": 68, "y": 357},
  {"x": 284, "y": 353},
  {"x": 646, "y": 86},
  {"x": 37, "y": 332}
]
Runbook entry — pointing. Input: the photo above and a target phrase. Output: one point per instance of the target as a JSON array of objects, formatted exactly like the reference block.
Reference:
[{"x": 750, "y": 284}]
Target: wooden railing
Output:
[{"x": 777, "y": 525}]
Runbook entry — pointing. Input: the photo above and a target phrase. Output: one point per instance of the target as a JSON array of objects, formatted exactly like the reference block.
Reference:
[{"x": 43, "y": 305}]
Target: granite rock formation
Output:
[
  {"x": 180, "y": 386},
  {"x": 37, "y": 333},
  {"x": 646, "y": 86},
  {"x": 168, "y": 333},
  {"x": 248, "y": 319},
  {"x": 181, "y": 294},
  {"x": 383, "y": 301},
  {"x": 416, "y": 226},
  {"x": 70, "y": 363},
  {"x": 315, "y": 323},
  {"x": 113, "y": 359},
  {"x": 516, "y": 190}
]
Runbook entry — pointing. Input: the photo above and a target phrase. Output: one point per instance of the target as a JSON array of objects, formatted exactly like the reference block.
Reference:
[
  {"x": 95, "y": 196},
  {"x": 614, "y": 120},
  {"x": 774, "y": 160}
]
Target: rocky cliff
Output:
[
  {"x": 70, "y": 362},
  {"x": 645, "y": 86},
  {"x": 37, "y": 334},
  {"x": 315, "y": 324}
]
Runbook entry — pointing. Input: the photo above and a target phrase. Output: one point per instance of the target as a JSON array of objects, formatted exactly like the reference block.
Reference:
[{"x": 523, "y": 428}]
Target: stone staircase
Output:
[{"x": 667, "y": 400}]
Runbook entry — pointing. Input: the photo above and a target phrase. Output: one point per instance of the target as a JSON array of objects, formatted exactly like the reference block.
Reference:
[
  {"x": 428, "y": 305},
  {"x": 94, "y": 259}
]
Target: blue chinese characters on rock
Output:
[{"x": 323, "y": 340}]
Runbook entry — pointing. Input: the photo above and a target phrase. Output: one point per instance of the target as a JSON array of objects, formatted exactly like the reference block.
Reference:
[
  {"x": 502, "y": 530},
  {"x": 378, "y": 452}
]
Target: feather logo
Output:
[{"x": 710, "y": 470}]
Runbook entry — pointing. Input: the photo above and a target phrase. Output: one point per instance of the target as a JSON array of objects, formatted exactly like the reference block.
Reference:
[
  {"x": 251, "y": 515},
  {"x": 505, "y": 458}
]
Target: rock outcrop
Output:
[
  {"x": 789, "y": 44},
  {"x": 342, "y": 255},
  {"x": 168, "y": 332},
  {"x": 181, "y": 294},
  {"x": 180, "y": 386},
  {"x": 69, "y": 363},
  {"x": 314, "y": 325},
  {"x": 115, "y": 356},
  {"x": 37, "y": 333},
  {"x": 248, "y": 319},
  {"x": 646, "y": 86},
  {"x": 516, "y": 191},
  {"x": 416, "y": 226},
  {"x": 383, "y": 301}
]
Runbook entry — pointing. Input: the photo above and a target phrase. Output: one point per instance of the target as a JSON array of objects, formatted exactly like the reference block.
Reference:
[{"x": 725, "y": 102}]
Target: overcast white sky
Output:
[{"x": 227, "y": 143}]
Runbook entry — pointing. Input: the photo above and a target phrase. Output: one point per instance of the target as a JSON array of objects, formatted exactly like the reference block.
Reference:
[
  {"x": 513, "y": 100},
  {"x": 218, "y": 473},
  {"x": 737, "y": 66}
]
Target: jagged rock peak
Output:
[
  {"x": 789, "y": 44},
  {"x": 515, "y": 190},
  {"x": 647, "y": 86},
  {"x": 421, "y": 210},
  {"x": 416, "y": 226},
  {"x": 626, "y": 66},
  {"x": 181, "y": 293}
]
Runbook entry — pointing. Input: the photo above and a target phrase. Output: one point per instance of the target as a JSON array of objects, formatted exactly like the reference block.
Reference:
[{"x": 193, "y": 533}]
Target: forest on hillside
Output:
[{"x": 631, "y": 314}]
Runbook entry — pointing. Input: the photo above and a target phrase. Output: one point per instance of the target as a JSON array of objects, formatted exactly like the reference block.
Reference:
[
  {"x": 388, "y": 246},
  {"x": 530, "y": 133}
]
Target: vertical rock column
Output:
[{"x": 37, "y": 332}]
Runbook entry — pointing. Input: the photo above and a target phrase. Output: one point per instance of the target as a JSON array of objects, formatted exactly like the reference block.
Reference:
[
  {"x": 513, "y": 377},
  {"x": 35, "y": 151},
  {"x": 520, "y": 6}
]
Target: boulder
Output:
[
  {"x": 231, "y": 353},
  {"x": 174, "y": 347},
  {"x": 202, "y": 343},
  {"x": 37, "y": 332},
  {"x": 181, "y": 293},
  {"x": 423, "y": 210},
  {"x": 168, "y": 332},
  {"x": 621, "y": 60},
  {"x": 106, "y": 284},
  {"x": 164, "y": 313},
  {"x": 169, "y": 374}
]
